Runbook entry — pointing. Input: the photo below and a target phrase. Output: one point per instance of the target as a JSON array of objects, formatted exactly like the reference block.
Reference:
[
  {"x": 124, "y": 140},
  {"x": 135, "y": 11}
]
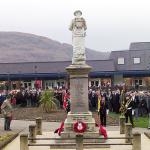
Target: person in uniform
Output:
[{"x": 129, "y": 107}]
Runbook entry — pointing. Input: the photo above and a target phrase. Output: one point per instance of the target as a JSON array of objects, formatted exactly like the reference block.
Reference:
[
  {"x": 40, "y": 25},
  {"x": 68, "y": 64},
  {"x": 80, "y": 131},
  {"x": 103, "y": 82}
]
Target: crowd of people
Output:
[
  {"x": 135, "y": 103},
  {"x": 114, "y": 100},
  {"x": 23, "y": 98},
  {"x": 103, "y": 101}
]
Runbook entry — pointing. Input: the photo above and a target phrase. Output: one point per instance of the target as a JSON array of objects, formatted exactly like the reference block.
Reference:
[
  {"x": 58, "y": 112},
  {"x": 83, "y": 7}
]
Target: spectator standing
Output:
[
  {"x": 136, "y": 106},
  {"x": 13, "y": 100},
  {"x": 103, "y": 110},
  {"x": 129, "y": 106},
  {"x": 7, "y": 112},
  {"x": 117, "y": 101},
  {"x": 66, "y": 102}
]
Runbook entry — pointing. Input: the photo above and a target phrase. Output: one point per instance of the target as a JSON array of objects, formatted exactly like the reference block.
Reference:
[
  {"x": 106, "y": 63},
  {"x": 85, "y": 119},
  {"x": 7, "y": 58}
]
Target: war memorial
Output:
[
  {"x": 79, "y": 130},
  {"x": 78, "y": 72}
]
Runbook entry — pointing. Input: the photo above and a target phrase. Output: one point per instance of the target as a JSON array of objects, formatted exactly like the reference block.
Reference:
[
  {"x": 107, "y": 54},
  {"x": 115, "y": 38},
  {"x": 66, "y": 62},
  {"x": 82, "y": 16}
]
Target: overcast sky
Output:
[{"x": 112, "y": 24}]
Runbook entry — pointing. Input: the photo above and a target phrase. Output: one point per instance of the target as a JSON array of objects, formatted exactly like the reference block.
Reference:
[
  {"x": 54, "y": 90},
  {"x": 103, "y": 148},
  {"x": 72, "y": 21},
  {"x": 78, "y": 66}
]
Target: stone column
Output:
[
  {"x": 39, "y": 126},
  {"x": 122, "y": 124},
  {"x": 24, "y": 142},
  {"x": 128, "y": 132},
  {"x": 32, "y": 133},
  {"x": 79, "y": 142},
  {"x": 79, "y": 90},
  {"x": 136, "y": 141}
]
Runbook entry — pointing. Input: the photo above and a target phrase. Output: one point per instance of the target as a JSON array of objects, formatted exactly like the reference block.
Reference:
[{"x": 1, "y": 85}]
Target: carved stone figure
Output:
[{"x": 78, "y": 27}]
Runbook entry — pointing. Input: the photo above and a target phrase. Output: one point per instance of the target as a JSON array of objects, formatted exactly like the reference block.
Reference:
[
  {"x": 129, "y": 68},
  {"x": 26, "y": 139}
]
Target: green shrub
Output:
[{"x": 48, "y": 102}]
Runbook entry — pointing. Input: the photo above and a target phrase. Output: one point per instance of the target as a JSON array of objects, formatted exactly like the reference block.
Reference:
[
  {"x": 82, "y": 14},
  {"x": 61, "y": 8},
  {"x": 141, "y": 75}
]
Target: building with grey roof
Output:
[{"x": 130, "y": 67}]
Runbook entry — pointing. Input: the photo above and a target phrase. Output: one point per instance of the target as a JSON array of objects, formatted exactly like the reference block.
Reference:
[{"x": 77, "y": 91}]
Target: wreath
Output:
[{"x": 80, "y": 127}]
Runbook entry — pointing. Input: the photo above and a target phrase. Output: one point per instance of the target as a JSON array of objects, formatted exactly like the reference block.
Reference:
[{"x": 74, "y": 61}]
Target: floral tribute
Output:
[{"x": 79, "y": 127}]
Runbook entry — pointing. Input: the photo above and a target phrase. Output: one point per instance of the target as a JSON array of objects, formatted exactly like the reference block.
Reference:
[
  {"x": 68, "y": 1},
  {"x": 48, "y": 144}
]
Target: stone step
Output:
[
  {"x": 71, "y": 134},
  {"x": 65, "y": 146}
]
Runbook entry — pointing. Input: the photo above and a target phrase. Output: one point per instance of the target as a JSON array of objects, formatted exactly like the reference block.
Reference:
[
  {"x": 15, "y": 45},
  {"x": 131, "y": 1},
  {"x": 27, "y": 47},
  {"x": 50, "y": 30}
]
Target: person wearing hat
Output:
[{"x": 6, "y": 109}]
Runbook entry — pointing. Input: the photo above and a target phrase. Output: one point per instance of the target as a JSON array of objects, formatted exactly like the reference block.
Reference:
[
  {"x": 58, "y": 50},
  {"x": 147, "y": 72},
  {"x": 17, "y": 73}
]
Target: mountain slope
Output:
[{"x": 24, "y": 47}]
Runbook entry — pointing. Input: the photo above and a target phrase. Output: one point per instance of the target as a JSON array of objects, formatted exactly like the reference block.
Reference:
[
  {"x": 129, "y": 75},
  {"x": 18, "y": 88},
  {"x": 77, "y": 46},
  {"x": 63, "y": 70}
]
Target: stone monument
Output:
[
  {"x": 78, "y": 72},
  {"x": 78, "y": 27}
]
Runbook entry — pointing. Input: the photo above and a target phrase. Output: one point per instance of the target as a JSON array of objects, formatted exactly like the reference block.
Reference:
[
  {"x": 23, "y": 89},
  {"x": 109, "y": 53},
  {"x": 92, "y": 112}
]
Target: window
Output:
[
  {"x": 62, "y": 83},
  {"x": 138, "y": 82},
  {"x": 136, "y": 60},
  {"x": 97, "y": 83},
  {"x": 92, "y": 83},
  {"x": 121, "y": 61}
]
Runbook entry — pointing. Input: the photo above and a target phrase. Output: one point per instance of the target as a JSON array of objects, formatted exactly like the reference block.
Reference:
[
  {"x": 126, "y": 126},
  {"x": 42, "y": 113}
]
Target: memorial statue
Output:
[{"x": 78, "y": 27}]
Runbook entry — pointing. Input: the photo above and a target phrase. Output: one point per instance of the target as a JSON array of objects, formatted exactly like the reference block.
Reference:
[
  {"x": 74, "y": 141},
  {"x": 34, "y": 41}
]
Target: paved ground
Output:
[{"x": 49, "y": 127}]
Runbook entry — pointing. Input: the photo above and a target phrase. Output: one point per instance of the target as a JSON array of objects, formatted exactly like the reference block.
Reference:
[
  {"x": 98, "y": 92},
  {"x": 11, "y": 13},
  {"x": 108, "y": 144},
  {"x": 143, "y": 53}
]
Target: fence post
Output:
[
  {"x": 24, "y": 142},
  {"x": 39, "y": 126},
  {"x": 136, "y": 141},
  {"x": 128, "y": 132},
  {"x": 79, "y": 142},
  {"x": 32, "y": 133},
  {"x": 122, "y": 124}
]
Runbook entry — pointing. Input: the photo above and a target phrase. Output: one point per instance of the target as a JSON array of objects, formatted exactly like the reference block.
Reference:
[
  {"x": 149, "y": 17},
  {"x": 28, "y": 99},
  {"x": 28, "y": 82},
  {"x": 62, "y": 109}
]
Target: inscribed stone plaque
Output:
[{"x": 79, "y": 95}]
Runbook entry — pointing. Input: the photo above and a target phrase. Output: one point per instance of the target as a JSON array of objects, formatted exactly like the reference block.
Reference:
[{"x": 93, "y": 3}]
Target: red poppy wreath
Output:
[{"x": 79, "y": 127}]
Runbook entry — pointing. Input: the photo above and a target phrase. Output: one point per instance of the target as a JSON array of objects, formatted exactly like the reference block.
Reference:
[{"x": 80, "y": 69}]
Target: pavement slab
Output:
[
  {"x": 49, "y": 127},
  {"x": 145, "y": 143}
]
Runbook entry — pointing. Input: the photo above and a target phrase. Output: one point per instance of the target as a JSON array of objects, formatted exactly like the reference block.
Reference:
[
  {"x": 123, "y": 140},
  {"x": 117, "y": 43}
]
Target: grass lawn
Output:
[
  {"x": 6, "y": 138},
  {"x": 142, "y": 122}
]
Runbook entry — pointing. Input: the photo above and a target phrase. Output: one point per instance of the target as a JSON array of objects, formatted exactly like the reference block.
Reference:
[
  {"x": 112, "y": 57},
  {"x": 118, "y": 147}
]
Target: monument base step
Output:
[
  {"x": 86, "y": 134},
  {"x": 74, "y": 146},
  {"x": 71, "y": 144}
]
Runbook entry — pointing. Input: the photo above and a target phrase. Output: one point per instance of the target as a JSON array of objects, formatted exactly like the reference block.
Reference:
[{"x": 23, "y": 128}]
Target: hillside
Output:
[{"x": 23, "y": 47}]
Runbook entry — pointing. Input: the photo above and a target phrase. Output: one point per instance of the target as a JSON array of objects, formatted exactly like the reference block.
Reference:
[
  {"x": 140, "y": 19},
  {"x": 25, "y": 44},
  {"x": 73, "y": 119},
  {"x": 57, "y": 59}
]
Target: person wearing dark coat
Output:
[
  {"x": 113, "y": 101},
  {"x": 117, "y": 102},
  {"x": 136, "y": 105},
  {"x": 129, "y": 105},
  {"x": 90, "y": 99},
  {"x": 94, "y": 100},
  {"x": 103, "y": 110},
  {"x": 60, "y": 98}
]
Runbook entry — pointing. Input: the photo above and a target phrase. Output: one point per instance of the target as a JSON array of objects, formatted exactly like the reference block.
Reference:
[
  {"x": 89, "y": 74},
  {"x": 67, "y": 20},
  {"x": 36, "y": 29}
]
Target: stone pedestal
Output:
[
  {"x": 122, "y": 124},
  {"x": 39, "y": 126},
  {"x": 128, "y": 132},
  {"x": 79, "y": 101},
  {"x": 32, "y": 133},
  {"x": 79, "y": 142},
  {"x": 24, "y": 142},
  {"x": 136, "y": 141},
  {"x": 79, "y": 87}
]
